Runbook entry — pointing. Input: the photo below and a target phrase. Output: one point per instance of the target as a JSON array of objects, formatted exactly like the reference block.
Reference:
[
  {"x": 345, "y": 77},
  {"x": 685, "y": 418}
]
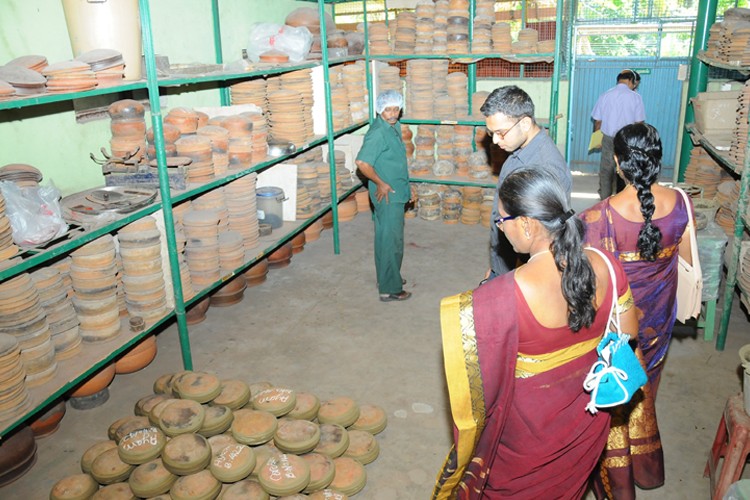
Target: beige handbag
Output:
[{"x": 689, "y": 277}]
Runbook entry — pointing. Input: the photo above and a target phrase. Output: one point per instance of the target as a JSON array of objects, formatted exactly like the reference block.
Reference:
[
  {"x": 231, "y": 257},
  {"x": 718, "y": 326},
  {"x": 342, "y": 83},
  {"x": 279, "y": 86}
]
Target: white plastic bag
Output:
[
  {"x": 293, "y": 41},
  {"x": 34, "y": 212}
]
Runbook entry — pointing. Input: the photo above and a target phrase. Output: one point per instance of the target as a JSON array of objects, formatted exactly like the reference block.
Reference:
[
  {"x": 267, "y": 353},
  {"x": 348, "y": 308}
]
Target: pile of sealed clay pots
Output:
[{"x": 200, "y": 437}]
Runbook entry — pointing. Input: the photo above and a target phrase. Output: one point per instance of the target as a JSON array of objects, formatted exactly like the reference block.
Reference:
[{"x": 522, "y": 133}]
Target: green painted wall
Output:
[{"x": 48, "y": 137}]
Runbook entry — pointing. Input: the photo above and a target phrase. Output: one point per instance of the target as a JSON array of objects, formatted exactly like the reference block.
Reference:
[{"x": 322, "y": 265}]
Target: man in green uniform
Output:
[{"x": 382, "y": 160}]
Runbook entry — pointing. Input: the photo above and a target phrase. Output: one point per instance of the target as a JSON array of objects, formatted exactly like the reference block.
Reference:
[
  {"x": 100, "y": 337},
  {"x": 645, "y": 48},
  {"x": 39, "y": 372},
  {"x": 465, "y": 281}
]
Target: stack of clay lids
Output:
[
  {"x": 312, "y": 232},
  {"x": 108, "y": 65},
  {"x": 362, "y": 197},
  {"x": 241, "y": 204},
  {"x": 304, "y": 202},
  {"x": 143, "y": 276},
  {"x": 214, "y": 200},
  {"x": 353, "y": 78},
  {"x": 198, "y": 149},
  {"x": 470, "y": 209},
  {"x": 249, "y": 92},
  {"x": 25, "y": 81},
  {"x": 378, "y": 38},
  {"x": 14, "y": 398},
  {"x": 151, "y": 479},
  {"x": 284, "y": 475},
  {"x": 32, "y": 61},
  {"x": 406, "y": 33},
  {"x": 546, "y": 46},
  {"x": 344, "y": 178},
  {"x": 22, "y": 316},
  {"x": 74, "y": 487},
  {"x": 479, "y": 166},
  {"x": 502, "y": 41},
  {"x": 201, "y": 485},
  {"x": 485, "y": 213},
  {"x": 322, "y": 471},
  {"x": 202, "y": 249},
  {"x": 253, "y": 427},
  {"x": 69, "y": 76},
  {"x": 296, "y": 436},
  {"x": 458, "y": 89},
  {"x": 61, "y": 315},
  {"x": 301, "y": 81},
  {"x": 458, "y": 29},
  {"x": 273, "y": 56},
  {"x": 350, "y": 476},
  {"x": 232, "y": 463},
  {"x": 7, "y": 248},
  {"x": 197, "y": 386},
  {"x": 440, "y": 77},
  {"x": 444, "y": 140},
  {"x": 429, "y": 203},
  {"x": 419, "y": 96},
  {"x": 440, "y": 29},
  {"x": 185, "y": 119},
  {"x": 529, "y": 35},
  {"x": 341, "y": 113},
  {"x": 445, "y": 108},
  {"x": 443, "y": 168},
  {"x": 231, "y": 251},
  {"x": 363, "y": 447},
  {"x": 462, "y": 148},
  {"x": 21, "y": 174},
  {"x": 219, "y": 137},
  {"x": 186, "y": 454},
  {"x": 244, "y": 490},
  {"x": 170, "y": 133},
  {"x": 182, "y": 416},
  {"x": 260, "y": 136},
  {"x": 425, "y": 26},
  {"x": 425, "y": 150},
  {"x": 240, "y": 147},
  {"x": 108, "y": 468},
  {"x": 389, "y": 78},
  {"x": 141, "y": 445}
]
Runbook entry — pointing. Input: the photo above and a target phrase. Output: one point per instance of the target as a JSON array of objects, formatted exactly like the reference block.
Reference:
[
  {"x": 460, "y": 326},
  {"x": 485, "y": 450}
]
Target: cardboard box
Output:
[{"x": 716, "y": 111}]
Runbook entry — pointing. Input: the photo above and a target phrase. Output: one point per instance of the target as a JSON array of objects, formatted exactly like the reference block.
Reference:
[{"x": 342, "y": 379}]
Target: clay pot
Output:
[
  {"x": 327, "y": 220},
  {"x": 298, "y": 243},
  {"x": 347, "y": 209},
  {"x": 197, "y": 312},
  {"x": 281, "y": 257},
  {"x": 47, "y": 423},
  {"x": 138, "y": 357},
  {"x": 257, "y": 274},
  {"x": 313, "y": 231},
  {"x": 17, "y": 455},
  {"x": 229, "y": 294},
  {"x": 96, "y": 383},
  {"x": 363, "y": 200}
]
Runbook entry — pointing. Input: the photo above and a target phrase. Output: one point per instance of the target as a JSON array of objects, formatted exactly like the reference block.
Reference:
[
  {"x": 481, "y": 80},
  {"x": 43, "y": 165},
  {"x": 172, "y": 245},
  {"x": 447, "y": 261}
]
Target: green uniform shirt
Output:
[{"x": 384, "y": 149}]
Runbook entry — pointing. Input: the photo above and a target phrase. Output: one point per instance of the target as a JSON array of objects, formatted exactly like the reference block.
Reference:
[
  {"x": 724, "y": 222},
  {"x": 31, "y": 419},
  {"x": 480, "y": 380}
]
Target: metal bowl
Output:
[{"x": 279, "y": 148}]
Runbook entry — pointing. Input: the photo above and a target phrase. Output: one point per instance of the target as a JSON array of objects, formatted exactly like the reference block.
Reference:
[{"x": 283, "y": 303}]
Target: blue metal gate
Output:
[{"x": 662, "y": 98}]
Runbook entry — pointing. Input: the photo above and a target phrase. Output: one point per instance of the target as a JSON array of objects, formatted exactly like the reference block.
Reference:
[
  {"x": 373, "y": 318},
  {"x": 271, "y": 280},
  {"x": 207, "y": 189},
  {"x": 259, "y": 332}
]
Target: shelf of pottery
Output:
[
  {"x": 80, "y": 307},
  {"x": 721, "y": 167}
]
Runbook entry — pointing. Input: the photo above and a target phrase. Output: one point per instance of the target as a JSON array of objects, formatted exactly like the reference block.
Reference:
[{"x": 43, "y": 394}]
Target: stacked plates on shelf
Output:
[
  {"x": 702, "y": 170},
  {"x": 484, "y": 17},
  {"x": 7, "y": 248},
  {"x": 389, "y": 79},
  {"x": 63, "y": 265},
  {"x": 429, "y": 203},
  {"x": 241, "y": 205},
  {"x": 419, "y": 96},
  {"x": 440, "y": 79},
  {"x": 451, "y": 206},
  {"x": 738, "y": 145},
  {"x": 202, "y": 249},
  {"x": 445, "y": 108},
  {"x": 198, "y": 149},
  {"x": 307, "y": 181},
  {"x": 378, "y": 38},
  {"x": 22, "y": 316},
  {"x": 324, "y": 181},
  {"x": 425, "y": 27},
  {"x": 444, "y": 139},
  {"x": 259, "y": 137},
  {"x": 440, "y": 32},
  {"x": 362, "y": 196},
  {"x": 250, "y": 92},
  {"x": 353, "y": 78},
  {"x": 406, "y": 33},
  {"x": 185, "y": 119},
  {"x": 94, "y": 275},
  {"x": 128, "y": 127},
  {"x": 301, "y": 81},
  {"x": 21, "y": 174},
  {"x": 143, "y": 276},
  {"x": 61, "y": 315},
  {"x": 219, "y": 137},
  {"x": 502, "y": 41},
  {"x": 344, "y": 178},
  {"x": 471, "y": 205},
  {"x": 340, "y": 112},
  {"x": 214, "y": 200},
  {"x": 14, "y": 398},
  {"x": 458, "y": 28},
  {"x": 462, "y": 148},
  {"x": 425, "y": 150},
  {"x": 485, "y": 209},
  {"x": 458, "y": 89},
  {"x": 69, "y": 76},
  {"x": 107, "y": 64},
  {"x": 25, "y": 81},
  {"x": 240, "y": 146},
  {"x": 304, "y": 205},
  {"x": 285, "y": 109},
  {"x": 231, "y": 251},
  {"x": 443, "y": 168},
  {"x": 479, "y": 166}
]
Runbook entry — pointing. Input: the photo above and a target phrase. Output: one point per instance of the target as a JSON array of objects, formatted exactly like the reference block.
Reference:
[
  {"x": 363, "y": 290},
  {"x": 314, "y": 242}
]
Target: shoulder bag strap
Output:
[{"x": 613, "y": 279}]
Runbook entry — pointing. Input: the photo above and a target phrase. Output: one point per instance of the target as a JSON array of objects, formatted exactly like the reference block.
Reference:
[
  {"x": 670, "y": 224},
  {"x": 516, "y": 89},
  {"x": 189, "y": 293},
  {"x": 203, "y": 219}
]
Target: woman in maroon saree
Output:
[
  {"x": 643, "y": 226},
  {"x": 517, "y": 350}
]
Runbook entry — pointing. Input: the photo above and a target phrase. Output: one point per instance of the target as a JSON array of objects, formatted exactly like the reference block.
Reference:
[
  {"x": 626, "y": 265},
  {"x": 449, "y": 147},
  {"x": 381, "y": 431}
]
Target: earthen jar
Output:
[{"x": 96, "y": 383}]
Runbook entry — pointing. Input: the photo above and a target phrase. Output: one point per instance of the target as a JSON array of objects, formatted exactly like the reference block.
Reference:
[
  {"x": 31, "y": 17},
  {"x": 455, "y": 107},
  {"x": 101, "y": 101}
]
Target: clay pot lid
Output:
[
  {"x": 253, "y": 427},
  {"x": 155, "y": 413},
  {"x": 219, "y": 441},
  {"x": 306, "y": 407},
  {"x": 232, "y": 463},
  {"x": 32, "y": 61},
  {"x": 65, "y": 67},
  {"x": 245, "y": 490},
  {"x": 183, "y": 112},
  {"x": 334, "y": 440},
  {"x": 74, "y": 487},
  {"x": 186, "y": 454},
  {"x": 363, "y": 447},
  {"x": 142, "y": 445},
  {"x": 94, "y": 451},
  {"x": 125, "y": 425},
  {"x": 150, "y": 479},
  {"x": 322, "y": 471},
  {"x": 342, "y": 410},
  {"x": 218, "y": 419},
  {"x": 276, "y": 400},
  {"x": 199, "y": 486},
  {"x": 144, "y": 405},
  {"x": 274, "y": 56},
  {"x": 372, "y": 418},
  {"x": 350, "y": 476},
  {"x": 198, "y": 386},
  {"x": 100, "y": 59},
  {"x": 19, "y": 76},
  {"x": 109, "y": 468},
  {"x": 284, "y": 475},
  {"x": 234, "y": 394},
  {"x": 296, "y": 436},
  {"x": 119, "y": 491},
  {"x": 181, "y": 416},
  {"x": 327, "y": 494}
]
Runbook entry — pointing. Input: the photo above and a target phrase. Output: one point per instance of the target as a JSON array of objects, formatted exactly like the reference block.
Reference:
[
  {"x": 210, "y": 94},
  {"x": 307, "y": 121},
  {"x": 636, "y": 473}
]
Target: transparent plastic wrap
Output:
[
  {"x": 34, "y": 212},
  {"x": 293, "y": 41},
  {"x": 711, "y": 244}
]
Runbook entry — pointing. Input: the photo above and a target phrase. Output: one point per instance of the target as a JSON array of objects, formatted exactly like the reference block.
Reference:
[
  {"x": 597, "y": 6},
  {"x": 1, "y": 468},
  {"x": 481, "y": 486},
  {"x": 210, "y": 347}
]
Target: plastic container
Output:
[
  {"x": 106, "y": 24},
  {"x": 269, "y": 200}
]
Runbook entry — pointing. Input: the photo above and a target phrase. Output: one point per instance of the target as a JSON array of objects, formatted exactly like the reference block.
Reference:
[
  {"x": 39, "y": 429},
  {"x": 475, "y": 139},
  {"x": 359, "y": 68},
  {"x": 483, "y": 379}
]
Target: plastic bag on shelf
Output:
[
  {"x": 711, "y": 244},
  {"x": 34, "y": 212},
  {"x": 293, "y": 41}
]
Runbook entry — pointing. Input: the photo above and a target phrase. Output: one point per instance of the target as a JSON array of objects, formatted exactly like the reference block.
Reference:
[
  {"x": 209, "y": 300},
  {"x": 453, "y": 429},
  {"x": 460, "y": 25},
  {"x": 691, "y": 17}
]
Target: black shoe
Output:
[{"x": 390, "y": 297}]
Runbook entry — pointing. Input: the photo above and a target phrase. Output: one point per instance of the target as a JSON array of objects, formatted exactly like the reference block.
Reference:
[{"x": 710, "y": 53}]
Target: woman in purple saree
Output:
[{"x": 643, "y": 226}]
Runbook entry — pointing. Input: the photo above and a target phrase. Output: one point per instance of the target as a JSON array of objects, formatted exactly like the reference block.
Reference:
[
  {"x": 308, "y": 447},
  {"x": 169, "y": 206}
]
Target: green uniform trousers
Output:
[{"x": 389, "y": 245}]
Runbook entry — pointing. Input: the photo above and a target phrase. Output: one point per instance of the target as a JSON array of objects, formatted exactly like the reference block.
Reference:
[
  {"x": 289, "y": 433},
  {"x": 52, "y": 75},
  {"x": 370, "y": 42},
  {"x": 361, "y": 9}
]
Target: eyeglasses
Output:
[
  {"x": 502, "y": 135},
  {"x": 499, "y": 221}
]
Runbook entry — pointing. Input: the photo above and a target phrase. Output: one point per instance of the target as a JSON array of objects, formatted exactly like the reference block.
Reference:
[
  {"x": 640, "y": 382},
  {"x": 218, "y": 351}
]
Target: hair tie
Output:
[{"x": 567, "y": 215}]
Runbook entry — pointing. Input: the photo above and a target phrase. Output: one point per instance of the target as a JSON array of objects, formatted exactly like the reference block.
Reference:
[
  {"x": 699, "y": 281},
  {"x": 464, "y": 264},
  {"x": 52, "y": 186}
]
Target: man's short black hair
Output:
[{"x": 511, "y": 101}]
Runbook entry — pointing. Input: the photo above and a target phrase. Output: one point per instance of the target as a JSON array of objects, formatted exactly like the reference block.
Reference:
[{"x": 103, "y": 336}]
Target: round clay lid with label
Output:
[
  {"x": 322, "y": 471},
  {"x": 219, "y": 441},
  {"x": 284, "y": 475},
  {"x": 108, "y": 468},
  {"x": 327, "y": 494},
  {"x": 306, "y": 407},
  {"x": 75, "y": 487},
  {"x": 94, "y": 451},
  {"x": 342, "y": 410},
  {"x": 151, "y": 479},
  {"x": 186, "y": 454},
  {"x": 199, "y": 486},
  {"x": 245, "y": 490},
  {"x": 276, "y": 400},
  {"x": 117, "y": 491},
  {"x": 363, "y": 447},
  {"x": 124, "y": 426},
  {"x": 257, "y": 387},
  {"x": 198, "y": 386},
  {"x": 232, "y": 463},
  {"x": 372, "y": 418},
  {"x": 262, "y": 454},
  {"x": 296, "y": 436},
  {"x": 181, "y": 417},
  {"x": 142, "y": 445},
  {"x": 334, "y": 440},
  {"x": 234, "y": 393},
  {"x": 350, "y": 476},
  {"x": 253, "y": 427}
]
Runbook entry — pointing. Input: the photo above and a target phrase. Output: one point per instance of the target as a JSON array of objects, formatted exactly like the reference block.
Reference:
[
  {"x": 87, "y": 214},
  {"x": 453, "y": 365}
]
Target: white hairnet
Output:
[{"x": 387, "y": 99}]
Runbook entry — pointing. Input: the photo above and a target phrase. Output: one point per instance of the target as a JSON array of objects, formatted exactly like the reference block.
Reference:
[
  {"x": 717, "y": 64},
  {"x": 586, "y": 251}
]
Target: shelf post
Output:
[
  {"x": 555, "y": 90},
  {"x": 166, "y": 199},
  {"x": 218, "y": 50}
]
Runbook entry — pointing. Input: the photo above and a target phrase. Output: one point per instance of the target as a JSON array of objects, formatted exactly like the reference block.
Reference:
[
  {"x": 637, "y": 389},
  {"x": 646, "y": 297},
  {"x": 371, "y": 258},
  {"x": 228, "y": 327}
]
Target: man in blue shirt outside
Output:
[{"x": 619, "y": 106}]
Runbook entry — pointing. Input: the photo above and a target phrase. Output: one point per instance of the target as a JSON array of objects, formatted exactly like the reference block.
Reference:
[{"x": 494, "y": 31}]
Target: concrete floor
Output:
[{"x": 317, "y": 326}]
